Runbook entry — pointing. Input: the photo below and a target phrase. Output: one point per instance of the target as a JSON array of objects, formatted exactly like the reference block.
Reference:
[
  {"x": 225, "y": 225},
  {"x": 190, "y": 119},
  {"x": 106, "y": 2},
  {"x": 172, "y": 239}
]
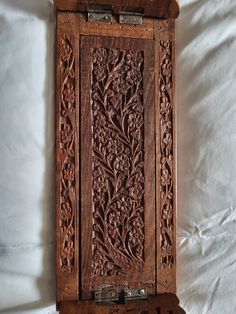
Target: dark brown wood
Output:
[
  {"x": 162, "y": 304},
  {"x": 151, "y": 8},
  {"x": 116, "y": 163}
]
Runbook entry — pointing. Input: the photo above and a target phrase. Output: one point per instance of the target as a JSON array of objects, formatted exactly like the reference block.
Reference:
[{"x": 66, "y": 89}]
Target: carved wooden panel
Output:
[
  {"x": 166, "y": 152},
  {"x": 117, "y": 142},
  {"x": 116, "y": 163}
]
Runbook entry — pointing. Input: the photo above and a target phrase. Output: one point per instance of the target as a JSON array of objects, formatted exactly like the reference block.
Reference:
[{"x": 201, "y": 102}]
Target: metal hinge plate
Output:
[
  {"x": 99, "y": 17},
  {"x": 103, "y": 13},
  {"x": 111, "y": 296},
  {"x": 135, "y": 294},
  {"x": 106, "y": 296},
  {"x": 130, "y": 19}
]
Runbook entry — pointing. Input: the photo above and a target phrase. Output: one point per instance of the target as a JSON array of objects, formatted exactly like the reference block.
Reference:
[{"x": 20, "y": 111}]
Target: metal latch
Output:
[{"x": 111, "y": 296}]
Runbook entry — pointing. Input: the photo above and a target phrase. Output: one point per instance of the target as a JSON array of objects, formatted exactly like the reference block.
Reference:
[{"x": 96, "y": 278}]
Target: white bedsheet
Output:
[{"x": 206, "y": 54}]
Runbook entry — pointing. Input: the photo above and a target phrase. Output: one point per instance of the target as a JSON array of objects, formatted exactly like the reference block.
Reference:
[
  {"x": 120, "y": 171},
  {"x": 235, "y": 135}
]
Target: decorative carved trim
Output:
[
  {"x": 67, "y": 129},
  {"x": 118, "y": 161},
  {"x": 166, "y": 155}
]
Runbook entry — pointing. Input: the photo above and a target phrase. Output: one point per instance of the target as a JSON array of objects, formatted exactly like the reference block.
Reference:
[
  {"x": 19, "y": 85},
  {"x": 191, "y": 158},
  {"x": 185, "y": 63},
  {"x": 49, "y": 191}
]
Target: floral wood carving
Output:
[
  {"x": 118, "y": 161},
  {"x": 67, "y": 151},
  {"x": 166, "y": 149}
]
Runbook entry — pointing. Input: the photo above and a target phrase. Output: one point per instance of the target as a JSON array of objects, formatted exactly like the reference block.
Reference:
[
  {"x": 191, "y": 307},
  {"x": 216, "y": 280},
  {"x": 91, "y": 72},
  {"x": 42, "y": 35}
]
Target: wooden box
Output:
[{"x": 116, "y": 157}]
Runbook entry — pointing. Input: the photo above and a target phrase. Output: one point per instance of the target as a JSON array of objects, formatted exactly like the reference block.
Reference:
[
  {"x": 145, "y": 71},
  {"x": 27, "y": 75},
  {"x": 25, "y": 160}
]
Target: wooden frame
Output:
[
  {"x": 72, "y": 27},
  {"x": 154, "y": 8}
]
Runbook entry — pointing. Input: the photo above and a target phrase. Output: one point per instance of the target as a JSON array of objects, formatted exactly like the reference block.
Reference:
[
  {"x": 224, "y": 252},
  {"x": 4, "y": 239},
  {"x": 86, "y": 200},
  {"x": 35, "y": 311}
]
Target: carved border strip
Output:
[
  {"x": 166, "y": 161},
  {"x": 67, "y": 165},
  {"x": 67, "y": 150},
  {"x": 166, "y": 155}
]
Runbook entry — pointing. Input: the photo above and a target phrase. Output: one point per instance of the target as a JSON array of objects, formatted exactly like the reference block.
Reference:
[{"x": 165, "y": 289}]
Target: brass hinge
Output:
[
  {"x": 103, "y": 13},
  {"x": 111, "y": 296}
]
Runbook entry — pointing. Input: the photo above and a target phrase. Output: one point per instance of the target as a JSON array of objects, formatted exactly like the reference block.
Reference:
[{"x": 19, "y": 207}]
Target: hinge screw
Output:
[
  {"x": 142, "y": 291},
  {"x": 91, "y": 17}
]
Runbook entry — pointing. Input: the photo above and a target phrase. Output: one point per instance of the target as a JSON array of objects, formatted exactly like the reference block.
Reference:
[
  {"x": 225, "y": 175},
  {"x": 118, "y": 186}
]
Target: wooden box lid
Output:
[{"x": 149, "y": 8}]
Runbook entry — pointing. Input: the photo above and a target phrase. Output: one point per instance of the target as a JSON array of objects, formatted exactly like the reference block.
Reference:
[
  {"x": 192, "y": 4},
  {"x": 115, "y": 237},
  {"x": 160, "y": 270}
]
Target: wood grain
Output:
[{"x": 151, "y": 8}]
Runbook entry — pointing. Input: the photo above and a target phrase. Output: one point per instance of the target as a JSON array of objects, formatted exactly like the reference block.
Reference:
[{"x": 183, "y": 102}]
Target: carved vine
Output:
[
  {"x": 67, "y": 153},
  {"x": 166, "y": 148},
  {"x": 118, "y": 161}
]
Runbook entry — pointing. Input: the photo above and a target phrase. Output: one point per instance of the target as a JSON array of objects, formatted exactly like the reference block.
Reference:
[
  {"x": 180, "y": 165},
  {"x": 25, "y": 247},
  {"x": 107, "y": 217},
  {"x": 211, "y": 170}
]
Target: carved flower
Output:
[
  {"x": 135, "y": 121},
  {"x": 99, "y": 121},
  {"x": 138, "y": 222},
  {"x": 134, "y": 58},
  {"x": 165, "y": 177},
  {"x": 122, "y": 163},
  {"x": 136, "y": 235},
  {"x": 66, "y": 133},
  {"x": 167, "y": 69},
  {"x": 136, "y": 192},
  {"x": 120, "y": 85},
  {"x": 66, "y": 50},
  {"x": 69, "y": 96},
  {"x": 66, "y": 212},
  {"x": 114, "y": 146},
  {"x": 68, "y": 251},
  {"x": 133, "y": 77},
  {"x": 165, "y": 106},
  {"x": 69, "y": 172},
  {"x": 139, "y": 177},
  {"x": 123, "y": 205},
  {"x": 100, "y": 184},
  {"x": 100, "y": 56}
]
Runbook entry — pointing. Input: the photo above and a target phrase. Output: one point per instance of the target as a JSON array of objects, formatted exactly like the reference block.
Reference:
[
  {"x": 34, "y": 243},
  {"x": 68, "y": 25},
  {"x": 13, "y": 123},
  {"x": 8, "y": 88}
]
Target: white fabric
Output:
[{"x": 206, "y": 50}]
